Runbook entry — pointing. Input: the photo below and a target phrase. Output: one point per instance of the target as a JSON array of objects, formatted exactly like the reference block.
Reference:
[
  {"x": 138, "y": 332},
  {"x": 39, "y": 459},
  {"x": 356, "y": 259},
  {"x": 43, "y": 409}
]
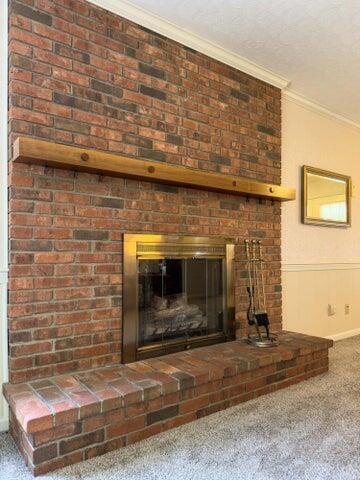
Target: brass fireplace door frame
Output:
[{"x": 148, "y": 246}]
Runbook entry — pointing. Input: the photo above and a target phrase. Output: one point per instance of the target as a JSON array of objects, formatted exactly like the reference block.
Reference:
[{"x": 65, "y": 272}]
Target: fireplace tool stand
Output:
[{"x": 257, "y": 314}]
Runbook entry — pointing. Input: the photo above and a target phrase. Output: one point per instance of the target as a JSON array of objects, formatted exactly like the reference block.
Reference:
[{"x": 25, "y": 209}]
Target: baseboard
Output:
[
  {"x": 4, "y": 424},
  {"x": 343, "y": 335}
]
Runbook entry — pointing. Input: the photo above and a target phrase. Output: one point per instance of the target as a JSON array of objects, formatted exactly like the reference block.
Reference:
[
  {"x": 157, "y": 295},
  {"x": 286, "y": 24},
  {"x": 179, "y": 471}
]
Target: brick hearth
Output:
[{"x": 66, "y": 419}]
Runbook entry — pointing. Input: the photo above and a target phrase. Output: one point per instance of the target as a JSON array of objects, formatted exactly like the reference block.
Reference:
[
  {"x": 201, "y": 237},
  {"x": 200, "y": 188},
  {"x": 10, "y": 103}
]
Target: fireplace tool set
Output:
[{"x": 257, "y": 314}]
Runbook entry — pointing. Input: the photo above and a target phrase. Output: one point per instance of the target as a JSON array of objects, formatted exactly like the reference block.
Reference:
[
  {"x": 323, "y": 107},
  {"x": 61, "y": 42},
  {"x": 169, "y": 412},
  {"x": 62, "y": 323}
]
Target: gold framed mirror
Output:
[{"x": 326, "y": 198}]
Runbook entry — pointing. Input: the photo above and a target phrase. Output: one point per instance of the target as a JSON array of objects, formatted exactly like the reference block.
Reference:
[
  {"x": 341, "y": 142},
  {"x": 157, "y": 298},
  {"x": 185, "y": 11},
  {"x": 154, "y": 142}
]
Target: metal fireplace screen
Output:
[{"x": 178, "y": 293}]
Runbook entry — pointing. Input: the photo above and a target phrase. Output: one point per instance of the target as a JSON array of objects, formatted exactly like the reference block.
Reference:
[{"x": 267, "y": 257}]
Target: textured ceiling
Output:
[{"x": 313, "y": 43}]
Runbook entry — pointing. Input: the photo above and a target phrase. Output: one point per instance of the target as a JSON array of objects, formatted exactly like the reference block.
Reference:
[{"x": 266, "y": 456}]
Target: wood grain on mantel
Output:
[{"x": 28, "y": 150}]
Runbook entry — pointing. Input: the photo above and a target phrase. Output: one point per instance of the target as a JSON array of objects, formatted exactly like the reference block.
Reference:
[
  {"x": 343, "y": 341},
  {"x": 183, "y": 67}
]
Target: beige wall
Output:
[{"x": 321, "y": 265}]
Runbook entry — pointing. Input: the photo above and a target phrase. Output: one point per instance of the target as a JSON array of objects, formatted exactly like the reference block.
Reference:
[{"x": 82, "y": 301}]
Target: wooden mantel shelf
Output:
[{"x": 28, "y": 150}]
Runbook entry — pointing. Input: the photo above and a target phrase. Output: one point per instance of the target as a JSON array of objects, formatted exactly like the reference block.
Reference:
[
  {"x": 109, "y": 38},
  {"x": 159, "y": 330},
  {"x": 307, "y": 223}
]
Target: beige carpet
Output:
[{"x": 310, "y": 431}]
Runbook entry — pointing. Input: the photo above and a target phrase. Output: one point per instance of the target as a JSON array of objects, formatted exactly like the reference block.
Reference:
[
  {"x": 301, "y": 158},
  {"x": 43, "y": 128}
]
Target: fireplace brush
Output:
[{"x": 257, "y": 314}]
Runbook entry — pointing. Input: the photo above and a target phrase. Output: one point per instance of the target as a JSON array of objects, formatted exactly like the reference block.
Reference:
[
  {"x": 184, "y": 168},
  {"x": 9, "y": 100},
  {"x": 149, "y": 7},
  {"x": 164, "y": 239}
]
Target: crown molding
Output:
[
  {"x": 317, "y": 267},
  {"x": 189, "y": 39},
  {"x": 168, "y": 29},
  {"x": 316, "y": 107}
]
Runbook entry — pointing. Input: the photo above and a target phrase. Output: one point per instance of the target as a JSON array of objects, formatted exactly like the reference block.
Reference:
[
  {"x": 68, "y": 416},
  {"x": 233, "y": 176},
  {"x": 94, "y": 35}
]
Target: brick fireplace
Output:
[
  {"x": 82, "y": 76},
  {"x": 85, "y": 77}
]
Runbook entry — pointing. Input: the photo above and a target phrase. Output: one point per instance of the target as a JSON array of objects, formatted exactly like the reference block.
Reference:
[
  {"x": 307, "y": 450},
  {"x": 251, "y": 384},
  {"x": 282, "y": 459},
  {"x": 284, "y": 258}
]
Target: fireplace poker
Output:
[
  {"x": 252, "y": 307},
  {"x": 263, "y": 313},
  {"x": 259, "y": 289}
]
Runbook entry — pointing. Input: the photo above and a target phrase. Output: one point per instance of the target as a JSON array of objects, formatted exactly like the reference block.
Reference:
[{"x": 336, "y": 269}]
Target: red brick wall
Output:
[{"x": 82, "y": 76}]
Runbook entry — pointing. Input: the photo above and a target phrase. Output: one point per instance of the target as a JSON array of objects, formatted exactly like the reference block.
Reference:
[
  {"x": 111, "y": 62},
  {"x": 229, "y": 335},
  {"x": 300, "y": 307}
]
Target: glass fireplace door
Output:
[
  {"x": 178, "y": 293},
  {"x": 179, "y": 299}
]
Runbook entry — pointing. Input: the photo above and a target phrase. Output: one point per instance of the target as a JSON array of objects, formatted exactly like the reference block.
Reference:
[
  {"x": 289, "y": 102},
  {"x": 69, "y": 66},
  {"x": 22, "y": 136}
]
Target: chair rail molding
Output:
[{"x": 312, "y": 267}]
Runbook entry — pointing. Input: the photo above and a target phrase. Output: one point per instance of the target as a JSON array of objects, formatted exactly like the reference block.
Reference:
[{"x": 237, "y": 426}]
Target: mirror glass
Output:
[{"x": 326, "y": 198}]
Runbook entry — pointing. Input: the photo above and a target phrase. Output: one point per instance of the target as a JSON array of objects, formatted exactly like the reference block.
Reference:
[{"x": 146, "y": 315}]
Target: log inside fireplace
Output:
[{"x": 178, "y": 294}]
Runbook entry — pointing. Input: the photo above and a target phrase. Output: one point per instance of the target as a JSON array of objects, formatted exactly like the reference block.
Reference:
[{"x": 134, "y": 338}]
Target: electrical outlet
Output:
[
  {"x": 331, "y": 310},
  {"x": 347, "y": 308}
]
